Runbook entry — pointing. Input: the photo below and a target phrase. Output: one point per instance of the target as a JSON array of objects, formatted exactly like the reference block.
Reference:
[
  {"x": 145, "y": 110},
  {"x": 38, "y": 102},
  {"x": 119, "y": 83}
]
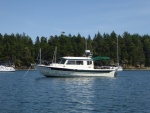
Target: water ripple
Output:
[{"x": 128, "y": 92}]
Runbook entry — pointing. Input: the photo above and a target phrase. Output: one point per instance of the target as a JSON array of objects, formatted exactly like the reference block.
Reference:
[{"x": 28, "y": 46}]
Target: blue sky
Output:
[{"x": 87, "y": 17}]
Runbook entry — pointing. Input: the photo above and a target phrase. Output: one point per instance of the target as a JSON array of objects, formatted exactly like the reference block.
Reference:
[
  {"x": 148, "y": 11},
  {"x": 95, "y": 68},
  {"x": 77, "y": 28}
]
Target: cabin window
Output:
[
  {"x": 62, "y": 61},
  {"x": 89, "y": 62},
  {"x": 79, "y": 62},
  {"x": 74, "y": 62},
  {"x": 71, "y": 62}
]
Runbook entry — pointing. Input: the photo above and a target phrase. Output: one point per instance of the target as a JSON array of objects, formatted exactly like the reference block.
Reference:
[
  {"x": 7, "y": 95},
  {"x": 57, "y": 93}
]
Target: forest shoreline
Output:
[{"x": 133, "y": 49}]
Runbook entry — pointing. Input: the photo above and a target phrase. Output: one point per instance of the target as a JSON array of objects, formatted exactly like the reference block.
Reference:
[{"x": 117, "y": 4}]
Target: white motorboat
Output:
[
  {"x": 4, "y": 68},
  {"x": 75, "y": 66}
]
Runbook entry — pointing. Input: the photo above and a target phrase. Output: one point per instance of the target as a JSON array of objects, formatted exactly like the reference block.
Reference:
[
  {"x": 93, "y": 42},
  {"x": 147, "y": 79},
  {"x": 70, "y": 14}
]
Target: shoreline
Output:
[
  {"x": 146, "y": 69},
  {"x": 138, "y": 69}
]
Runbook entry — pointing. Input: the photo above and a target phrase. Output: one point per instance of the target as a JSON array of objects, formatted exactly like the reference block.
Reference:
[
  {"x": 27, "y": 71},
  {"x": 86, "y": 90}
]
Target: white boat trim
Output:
[{"x": 59, "y": 72}]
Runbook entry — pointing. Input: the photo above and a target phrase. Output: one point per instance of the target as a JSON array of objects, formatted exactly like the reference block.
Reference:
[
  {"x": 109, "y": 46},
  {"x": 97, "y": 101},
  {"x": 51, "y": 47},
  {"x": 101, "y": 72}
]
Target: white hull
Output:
[
  {"x": 6, "y": 69},
  {"x": 66, "y": 72},
  {"x": 119, "y": 68}
]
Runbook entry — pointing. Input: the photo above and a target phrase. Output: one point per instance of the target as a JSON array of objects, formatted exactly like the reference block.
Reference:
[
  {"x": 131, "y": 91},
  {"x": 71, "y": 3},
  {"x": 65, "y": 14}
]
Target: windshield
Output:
[{"x": 62, "y": 61}]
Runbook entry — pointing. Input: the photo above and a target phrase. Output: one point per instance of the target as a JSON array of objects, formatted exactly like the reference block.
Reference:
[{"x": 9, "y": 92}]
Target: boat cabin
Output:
[
  {"x": 76, "y": 62},
  {"x": 81, "y": 62}
]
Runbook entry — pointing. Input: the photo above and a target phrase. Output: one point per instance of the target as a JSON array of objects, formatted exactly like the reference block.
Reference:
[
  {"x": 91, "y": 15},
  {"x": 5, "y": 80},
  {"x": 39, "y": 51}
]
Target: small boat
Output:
[
  {"x": 75, "y": 66},
  {"x": 6, "y": 68},
  {"x": 118, "y": 67}
]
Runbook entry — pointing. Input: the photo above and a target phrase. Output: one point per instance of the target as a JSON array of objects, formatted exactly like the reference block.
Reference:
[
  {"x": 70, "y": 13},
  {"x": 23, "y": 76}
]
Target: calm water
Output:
[{"x": 129, "y": 92}]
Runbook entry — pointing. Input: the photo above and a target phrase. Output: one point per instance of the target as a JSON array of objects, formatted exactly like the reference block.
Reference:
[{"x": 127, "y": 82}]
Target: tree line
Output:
[{"x": 133, "y": 49}]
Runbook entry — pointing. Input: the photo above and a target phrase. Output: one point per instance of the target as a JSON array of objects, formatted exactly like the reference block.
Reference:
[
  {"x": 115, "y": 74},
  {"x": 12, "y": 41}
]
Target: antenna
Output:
[
  {"x": 62, "y": 33},
  {"x": 54, "y": 56}
]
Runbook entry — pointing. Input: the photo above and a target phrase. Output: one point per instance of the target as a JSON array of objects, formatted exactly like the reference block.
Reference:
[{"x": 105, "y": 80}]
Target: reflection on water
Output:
[
  {"x": 75, "y": 92},
  {"x": 80, "y": 93}
]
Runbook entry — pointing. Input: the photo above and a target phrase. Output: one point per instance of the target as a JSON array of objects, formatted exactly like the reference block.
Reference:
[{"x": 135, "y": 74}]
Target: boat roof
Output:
[
  {"x": 100, "y": 58},
  {"x": 77, "y": 58}
]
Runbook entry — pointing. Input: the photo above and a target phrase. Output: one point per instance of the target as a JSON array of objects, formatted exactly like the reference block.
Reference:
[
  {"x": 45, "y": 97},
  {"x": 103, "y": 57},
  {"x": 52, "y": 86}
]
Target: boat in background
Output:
[
  {"x": 6, "y": 67},
  {"x": 118, "y": 67},
  {"x": 74, "y": 66}
]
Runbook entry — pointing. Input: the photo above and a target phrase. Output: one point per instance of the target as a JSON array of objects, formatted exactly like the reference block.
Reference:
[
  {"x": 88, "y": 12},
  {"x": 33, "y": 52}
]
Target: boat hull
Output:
[
  {"x": 119, "y": 68},
  {"x": 66, "y": 72}
]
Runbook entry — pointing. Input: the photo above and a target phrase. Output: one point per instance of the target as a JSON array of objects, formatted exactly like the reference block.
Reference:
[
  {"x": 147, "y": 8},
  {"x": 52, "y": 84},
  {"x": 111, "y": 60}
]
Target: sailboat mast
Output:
[
  {"x": 117, "y": 53},
  {"x": 40, "y": 55},
  {"x": 54, "y": 56},
  {"x": 85, "y": 44},
  {"x": 55, "y": 53}
]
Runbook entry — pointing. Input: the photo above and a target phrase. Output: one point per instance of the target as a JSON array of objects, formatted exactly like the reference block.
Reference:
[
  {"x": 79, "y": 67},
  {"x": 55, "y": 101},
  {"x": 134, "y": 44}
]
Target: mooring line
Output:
[{"x": 27, "y": 72}]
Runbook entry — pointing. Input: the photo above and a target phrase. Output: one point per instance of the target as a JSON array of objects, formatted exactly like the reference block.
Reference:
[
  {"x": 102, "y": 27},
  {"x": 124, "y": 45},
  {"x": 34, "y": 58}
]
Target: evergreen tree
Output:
[
  {"x": 98, "y": 44},
  {"x": 146, "y": 49}
]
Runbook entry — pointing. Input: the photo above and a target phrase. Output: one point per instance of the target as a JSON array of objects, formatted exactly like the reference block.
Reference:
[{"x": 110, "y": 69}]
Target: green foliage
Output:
[{"x": 133, "y": 49}]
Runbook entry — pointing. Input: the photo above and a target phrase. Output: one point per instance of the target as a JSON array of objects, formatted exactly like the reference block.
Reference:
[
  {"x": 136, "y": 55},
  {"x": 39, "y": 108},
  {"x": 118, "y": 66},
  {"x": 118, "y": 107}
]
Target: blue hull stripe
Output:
[{"x": 78, "y": 70}]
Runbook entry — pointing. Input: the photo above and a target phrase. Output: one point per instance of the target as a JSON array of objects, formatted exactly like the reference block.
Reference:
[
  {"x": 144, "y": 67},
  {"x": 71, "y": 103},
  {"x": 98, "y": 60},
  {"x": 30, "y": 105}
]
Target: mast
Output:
[
  {"x": 117, "y": 53},
  {"x": 86, "y": 44},
  {"x": 55, "y": 53},
  {"x": 54, "y": 56},
  {"x": 40, "y": 55},
  {"x": 88, "y": 53}
]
